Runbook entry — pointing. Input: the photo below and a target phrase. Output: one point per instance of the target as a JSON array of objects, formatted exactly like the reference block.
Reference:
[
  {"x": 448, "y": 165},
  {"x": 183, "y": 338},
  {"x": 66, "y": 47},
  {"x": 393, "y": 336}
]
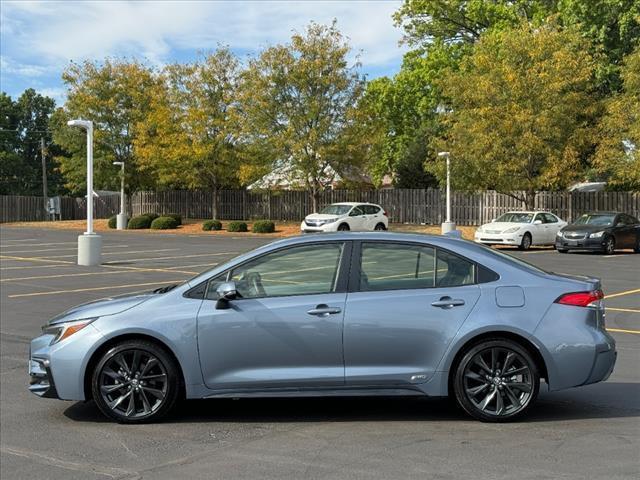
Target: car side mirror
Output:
[
  {"x": 226, "y": 291},
  {"x": 493, "y": 220},
  {"x": 538, "y": 222}
]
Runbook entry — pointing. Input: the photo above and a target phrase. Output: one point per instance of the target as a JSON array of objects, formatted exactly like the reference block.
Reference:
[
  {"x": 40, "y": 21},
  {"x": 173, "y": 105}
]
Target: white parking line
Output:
[
  {"x": 75, "y": 290},
  {"x": 37, "y": 244},
  {"x": 59, "y": 249},
  {"x": 179, "y": 256},
  {"x": 112, "y": 253}
]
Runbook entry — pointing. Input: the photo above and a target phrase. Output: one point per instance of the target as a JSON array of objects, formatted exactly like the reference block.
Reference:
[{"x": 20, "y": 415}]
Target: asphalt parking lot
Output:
[{"x": 588, "y": 432}]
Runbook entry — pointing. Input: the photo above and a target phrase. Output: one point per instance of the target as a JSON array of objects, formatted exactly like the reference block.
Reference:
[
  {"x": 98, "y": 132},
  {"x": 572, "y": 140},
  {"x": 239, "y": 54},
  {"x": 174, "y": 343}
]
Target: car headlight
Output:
[
  {"x": 63, "y": 330},
  {"x": 558, "y": 234},
  {"x": 511, "y": 230},
  {"x": 479, "y": 229},
  {"x": 596, "y": 234},
  {"x": 331, "y": 220}
]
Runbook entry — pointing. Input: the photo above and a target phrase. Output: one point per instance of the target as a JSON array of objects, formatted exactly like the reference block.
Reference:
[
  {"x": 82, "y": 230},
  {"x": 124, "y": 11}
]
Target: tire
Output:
[
  {"x": 380, "y": 226},
  {"x": 525, "y": 244},
  {"x": 609, "y": 246},
  {"x": 636, "y": 249},
  {"x": 562, "y": 250},
  {"x": 343, "y": 227},
  {"x": 143, "y": 398},
  {"x": 482, "y": 391}
]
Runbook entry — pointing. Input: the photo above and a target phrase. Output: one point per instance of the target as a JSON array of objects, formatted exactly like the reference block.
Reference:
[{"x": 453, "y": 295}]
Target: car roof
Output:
[{"x": 354, "y": 203}]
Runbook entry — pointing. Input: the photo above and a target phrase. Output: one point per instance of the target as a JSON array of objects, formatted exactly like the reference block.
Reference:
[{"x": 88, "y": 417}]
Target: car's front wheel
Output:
[
  {"x": 525, "y": 244},
  {"x": 496, "y": 381},
  {"x": 135, "y": 381},
  {"x": 343, "y": 227},
  {"x": 609, "y": 246}
]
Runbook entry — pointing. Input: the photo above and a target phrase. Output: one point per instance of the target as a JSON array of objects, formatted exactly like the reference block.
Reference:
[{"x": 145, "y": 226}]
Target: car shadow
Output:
[{"x": 608, "y": 400}]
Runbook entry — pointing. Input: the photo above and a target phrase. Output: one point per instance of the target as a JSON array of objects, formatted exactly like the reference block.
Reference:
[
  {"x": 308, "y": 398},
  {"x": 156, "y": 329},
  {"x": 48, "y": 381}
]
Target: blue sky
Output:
[{"x": 39, "y": 38}]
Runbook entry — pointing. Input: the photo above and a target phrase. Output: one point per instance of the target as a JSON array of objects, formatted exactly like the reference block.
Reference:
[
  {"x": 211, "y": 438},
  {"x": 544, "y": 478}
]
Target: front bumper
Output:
[
  {"x": 40, "y": 379},
  {"x": 327, "y": 227},
  {"x": 593, "y": 244},
  {"x": 498, "y": 239}
]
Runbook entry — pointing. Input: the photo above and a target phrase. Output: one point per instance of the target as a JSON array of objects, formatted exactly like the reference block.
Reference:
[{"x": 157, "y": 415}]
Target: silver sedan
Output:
[{"x": 337, "y": 314}]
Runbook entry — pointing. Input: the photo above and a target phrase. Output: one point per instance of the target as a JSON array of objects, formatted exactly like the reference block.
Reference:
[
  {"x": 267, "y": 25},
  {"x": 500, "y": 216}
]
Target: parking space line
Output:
[
  {"x": 622, "y": 330},
  {"x": 150, "y": 269},
  {"x": 22, "y": 240},
  {"x": 37, "y": 244},
  {"x": 620, "y": 294},
  {"x": 193, "y": 266},
  {"x": 84, "y": 274},
  {"x": 628, "y": 310},
  {"x": 59, "y": 265},
  {"x": 92, "y": 289},
  {"x": 61, "y": 249},
  {"x": 181, "y": 256},
  {"x": 115, "y": 253},
  {"x": 35, "y": 259}
]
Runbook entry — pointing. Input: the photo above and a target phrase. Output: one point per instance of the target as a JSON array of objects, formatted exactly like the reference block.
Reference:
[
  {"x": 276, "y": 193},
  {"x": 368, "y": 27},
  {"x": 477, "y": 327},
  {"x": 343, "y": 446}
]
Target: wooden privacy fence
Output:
[{"x": 403, "y": 206}]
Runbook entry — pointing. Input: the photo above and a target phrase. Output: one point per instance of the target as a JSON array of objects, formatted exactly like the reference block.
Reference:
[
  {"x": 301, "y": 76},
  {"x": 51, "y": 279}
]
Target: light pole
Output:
[
  {"x": 448, "y": 225},
  {"x": 121, "y": 218},
  {"x": 89, "y": 244}
]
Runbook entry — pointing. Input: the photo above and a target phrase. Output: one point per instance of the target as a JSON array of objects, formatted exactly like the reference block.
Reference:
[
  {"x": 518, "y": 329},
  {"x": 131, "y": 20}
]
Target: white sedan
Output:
[
  {"x": 339, "y": 217},
  {"x": 521, "y": 229}
]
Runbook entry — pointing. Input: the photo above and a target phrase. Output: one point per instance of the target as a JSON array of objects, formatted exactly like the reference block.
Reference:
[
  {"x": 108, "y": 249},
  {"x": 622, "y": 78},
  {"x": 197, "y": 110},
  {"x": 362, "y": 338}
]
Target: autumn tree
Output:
[
  {"x": 115, "y": 95},
  {"x": 522, "y": 112},
  {"x": 298, "y": 104},
  {"x": 618, "y": 157},
  {"x": 189, "y": 140}
]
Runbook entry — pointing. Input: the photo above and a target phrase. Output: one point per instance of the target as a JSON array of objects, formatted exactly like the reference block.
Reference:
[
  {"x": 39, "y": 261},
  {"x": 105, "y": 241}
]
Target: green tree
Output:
[
  {"x": 298, "y": 106},
  {"x": 522, "y": 112},
  {"x": 24, "y": 124},
  {"x": 115, "y": 95},
  {"x": 617, "y": 156},
  {"x": 188, "y": 140}
]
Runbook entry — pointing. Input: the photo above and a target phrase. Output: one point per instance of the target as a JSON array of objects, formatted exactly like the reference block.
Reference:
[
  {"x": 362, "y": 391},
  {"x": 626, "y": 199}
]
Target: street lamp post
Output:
[
  {"x": 448, "y": 225},
  {"x": 121, "y": 218},
  {"x": 89, "y": 244}
]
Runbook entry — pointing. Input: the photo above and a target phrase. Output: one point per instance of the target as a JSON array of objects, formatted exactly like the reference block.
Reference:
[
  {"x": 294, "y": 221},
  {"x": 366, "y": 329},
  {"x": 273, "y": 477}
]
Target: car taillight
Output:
[
  {"x": 384, "y": 212},
  {"x": 582, "y": 299}
]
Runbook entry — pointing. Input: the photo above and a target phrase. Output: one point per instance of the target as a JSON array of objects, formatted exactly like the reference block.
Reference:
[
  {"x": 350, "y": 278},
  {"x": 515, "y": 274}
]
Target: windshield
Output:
[
  {"x": 336, "y": 209},
  {"x": 589, "y": 219},
  {"x": 516, "y": 217}
]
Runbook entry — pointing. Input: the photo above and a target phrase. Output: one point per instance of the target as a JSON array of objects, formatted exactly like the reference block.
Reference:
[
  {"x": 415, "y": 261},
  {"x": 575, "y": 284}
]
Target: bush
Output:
[
  {"x": 237, "y": 227},
  {"x": 176, "y": 216},
  {"x": 263, "y": 226},
  {"x": 212, "y": 225},
  {"x": 164, "y": 223},
  {"x": 139, "y": 222},
  {"x": 113, "y": 222},
  {"x": 152, "y": 216}
]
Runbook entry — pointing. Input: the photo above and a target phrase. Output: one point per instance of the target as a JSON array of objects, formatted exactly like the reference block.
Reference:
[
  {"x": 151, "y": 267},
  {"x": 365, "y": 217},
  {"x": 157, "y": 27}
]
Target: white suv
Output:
[{"x": 346, "y": 216}]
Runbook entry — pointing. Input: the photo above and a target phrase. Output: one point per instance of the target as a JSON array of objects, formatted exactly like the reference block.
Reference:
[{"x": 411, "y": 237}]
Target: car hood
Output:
[
  {"x": 585, "y": 228},
  {"x": 102, "y": 307},
  {"x": 321, "y": 216},
  {"x": 501, "y": 226}
]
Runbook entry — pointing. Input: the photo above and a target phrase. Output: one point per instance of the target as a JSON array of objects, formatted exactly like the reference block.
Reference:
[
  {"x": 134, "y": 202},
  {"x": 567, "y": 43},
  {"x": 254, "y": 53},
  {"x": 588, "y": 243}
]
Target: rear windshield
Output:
[
  {"x": 336, "y": 209},
  {"x": 590, "y": 219},
  {"x": 515, "y": 217}
]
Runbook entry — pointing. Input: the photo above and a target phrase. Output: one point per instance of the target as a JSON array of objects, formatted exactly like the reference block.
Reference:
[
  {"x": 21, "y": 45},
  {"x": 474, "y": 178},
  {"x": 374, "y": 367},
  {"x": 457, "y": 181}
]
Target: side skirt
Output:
[{"x": 339, "y": 392}]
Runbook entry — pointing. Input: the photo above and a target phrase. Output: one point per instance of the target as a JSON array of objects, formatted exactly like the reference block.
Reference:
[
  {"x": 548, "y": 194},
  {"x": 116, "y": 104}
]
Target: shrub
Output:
[
  {"x": 151, "y": 215},
  {"x": 139, "y": 222},
  {"x": 164, "y": 223},
  {"x": 176, "y": 216},
  {"x": 237, "y": 227},
  {"x": 212, "y": 225},
  {"x": 263, "y": 226},
  {"x": 113, "y": 221}
]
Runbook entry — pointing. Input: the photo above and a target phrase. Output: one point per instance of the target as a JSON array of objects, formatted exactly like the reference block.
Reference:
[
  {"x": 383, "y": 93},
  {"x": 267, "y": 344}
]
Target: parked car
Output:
[
  {"x": 342, "y": 314},
  {"x": 521, "y": 229},
  {"x": 600, "y": 231},
  {"x": 341, "y": 217}
]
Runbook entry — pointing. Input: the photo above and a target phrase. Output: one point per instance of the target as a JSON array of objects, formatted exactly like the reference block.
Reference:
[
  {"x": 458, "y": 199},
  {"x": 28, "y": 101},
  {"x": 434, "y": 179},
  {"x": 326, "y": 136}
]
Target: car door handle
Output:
[
  {"x": 448, "y": 302},
  {"x": 323, "y": 310}
]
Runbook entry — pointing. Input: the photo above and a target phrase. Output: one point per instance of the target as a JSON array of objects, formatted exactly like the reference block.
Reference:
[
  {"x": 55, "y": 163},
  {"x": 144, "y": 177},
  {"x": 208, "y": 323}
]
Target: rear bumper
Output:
[{"x": 603, "y": 366}]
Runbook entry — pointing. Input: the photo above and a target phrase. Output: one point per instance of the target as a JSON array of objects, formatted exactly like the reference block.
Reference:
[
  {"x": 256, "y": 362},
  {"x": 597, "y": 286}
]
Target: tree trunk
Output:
[
  {"x": 315, "y": 198},
  {"x": 214, "y": 204},
  {"x": 529, "y": 199}
]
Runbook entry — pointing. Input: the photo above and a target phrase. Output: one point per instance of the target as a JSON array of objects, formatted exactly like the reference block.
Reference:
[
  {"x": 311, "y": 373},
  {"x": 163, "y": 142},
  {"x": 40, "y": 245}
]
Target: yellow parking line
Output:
[
  {"x": 34, "y": 259},
  {"x": 75, "y": 290},
  {"x": 619, "y": 294},
  {"x": 38, "y": 277},
  {"x": 621, "y": 330},
  {"x": 185, "y": 256},
  {"x": 150, "y": 269},
  {"x": 630, "y": 310},
  {"x": 116, "y": 253},
  {"x": 60, "y": 265},
  {"x": 193, "y": 266}
]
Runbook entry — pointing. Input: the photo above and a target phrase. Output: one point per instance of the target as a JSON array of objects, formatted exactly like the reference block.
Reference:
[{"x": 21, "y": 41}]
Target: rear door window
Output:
[
  {"x": 453, "y": 271},
  {"x": 392, "y": 266}
]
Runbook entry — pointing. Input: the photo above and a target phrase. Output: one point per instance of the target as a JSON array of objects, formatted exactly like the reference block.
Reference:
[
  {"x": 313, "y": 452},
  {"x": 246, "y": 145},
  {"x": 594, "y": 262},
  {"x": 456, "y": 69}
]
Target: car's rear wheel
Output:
[
  {"x": 343, "y": 227},
  {"x": 609, "y": 246},
  {"x": 380, "y": 226},
  {"x": 525, "y": 244},
  {"x": 135, "y": 381},
  {"x": 496, "y": 381}
]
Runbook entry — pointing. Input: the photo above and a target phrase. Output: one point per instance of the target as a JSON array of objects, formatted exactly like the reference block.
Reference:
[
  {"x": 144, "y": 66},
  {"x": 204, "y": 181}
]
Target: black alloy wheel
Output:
[
  {"x": 135, "y": 382},
  {"x": 496, "y": 381},
  {"x": 609, "y": 245}
]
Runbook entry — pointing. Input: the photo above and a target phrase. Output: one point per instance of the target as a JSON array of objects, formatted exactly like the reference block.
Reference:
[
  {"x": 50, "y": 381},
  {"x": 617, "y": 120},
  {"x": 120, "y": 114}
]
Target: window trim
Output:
[
  {"x": 356, "y": 264},
  {"x": 344, "y": 266}
]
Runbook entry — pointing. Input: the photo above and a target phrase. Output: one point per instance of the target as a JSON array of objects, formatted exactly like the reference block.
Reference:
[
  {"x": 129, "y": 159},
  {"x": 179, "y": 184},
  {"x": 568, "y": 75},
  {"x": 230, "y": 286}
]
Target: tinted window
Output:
[
  {"x": 595, "y": 219},
  {"x": 516, "y": 217},
  {"x": 630, "y": 220},
  {"x": 539, "y": 217},
  {"x": 550, "y": 218},
  {"x": 453, "y": 271},
  {"x": 355, "y": 212},
  {"x": 370, "y": 209},
  {"x": 303, "y": 270},
  {"x": 336, "y": 209},
  {"x": 387, "y": 266}
]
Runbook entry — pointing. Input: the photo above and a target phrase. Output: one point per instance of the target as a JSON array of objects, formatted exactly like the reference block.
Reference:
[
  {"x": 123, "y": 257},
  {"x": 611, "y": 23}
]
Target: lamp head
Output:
[
  {"x": 85, "y": 124},
  {"x": 443, "y": 154},
  {"x": 119, "y": 163}
]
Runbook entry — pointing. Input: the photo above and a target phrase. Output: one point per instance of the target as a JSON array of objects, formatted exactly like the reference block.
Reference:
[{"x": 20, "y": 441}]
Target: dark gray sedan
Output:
[
  {"x": 335, "y": 314},
  {"x": 600, "y": 232}
]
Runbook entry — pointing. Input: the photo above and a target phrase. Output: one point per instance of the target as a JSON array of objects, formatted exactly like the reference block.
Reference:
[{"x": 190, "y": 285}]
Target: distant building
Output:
[{"x": 588, "y": 187}]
